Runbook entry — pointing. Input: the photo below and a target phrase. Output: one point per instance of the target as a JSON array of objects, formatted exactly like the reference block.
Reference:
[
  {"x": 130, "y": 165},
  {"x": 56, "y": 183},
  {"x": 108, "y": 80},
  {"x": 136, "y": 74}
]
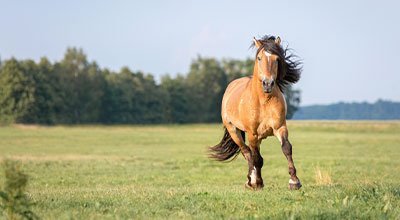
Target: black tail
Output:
[{"x": 227, "y": 149}]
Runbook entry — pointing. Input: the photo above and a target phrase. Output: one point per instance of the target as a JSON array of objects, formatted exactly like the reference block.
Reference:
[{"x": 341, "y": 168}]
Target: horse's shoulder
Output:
[{"x": 239, "y": 81}]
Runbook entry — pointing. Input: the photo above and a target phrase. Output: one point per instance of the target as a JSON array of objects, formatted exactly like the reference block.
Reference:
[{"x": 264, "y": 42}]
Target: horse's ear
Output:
[
  {"x": 257, "y": 43},
  {"x": 278, "y": 40}
]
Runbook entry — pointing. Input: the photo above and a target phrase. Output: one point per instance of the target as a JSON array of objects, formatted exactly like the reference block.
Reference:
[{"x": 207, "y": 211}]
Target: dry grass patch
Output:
[{"x": 322, "y": 177}]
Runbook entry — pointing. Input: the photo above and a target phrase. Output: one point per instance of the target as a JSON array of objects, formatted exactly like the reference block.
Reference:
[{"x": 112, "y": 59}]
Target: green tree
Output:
[
  {"x": 235, "y": 69},
  {"x": 94, "y": 94},
  {"x": 42, "y": 108},
  {"x": 80, "y": 88},
  {"x": 206, "y": 82},
  {"x": 177, "y": 102},
  {"x": 153, "y": 100},
  {"x": 133, "y": 98},
  {"x": 16, "y": 92},
  {"x": 118, "y": 101},
  {"x": 71, "y": 79}
]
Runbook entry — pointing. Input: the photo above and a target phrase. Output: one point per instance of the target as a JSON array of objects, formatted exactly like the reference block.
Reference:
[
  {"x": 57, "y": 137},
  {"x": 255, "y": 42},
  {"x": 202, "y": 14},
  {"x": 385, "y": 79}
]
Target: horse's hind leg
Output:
[
  {"x": 237, "y": 137},
  {"x": 282, "y": 134}
]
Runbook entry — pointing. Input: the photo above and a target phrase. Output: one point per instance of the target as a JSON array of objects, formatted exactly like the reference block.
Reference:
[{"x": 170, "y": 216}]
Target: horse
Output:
[{"x": 255, "y": 105}]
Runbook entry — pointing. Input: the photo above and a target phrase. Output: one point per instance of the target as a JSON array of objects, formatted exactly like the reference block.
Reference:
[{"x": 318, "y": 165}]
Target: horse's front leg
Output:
[
  {"x": 255, "y": 163},
  {"x": 282, "y": 135}
]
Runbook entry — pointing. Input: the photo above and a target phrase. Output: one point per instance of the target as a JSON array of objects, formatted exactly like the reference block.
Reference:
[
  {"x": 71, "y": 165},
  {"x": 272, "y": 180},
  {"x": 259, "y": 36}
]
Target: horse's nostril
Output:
[{"x": 272, "y": 83}]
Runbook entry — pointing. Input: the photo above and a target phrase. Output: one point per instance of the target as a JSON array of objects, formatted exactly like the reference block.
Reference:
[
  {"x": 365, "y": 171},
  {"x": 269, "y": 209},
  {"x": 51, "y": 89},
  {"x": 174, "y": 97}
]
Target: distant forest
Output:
[
  {"x": 76, "y": 91},
  {"x": 380, "y": 110}
]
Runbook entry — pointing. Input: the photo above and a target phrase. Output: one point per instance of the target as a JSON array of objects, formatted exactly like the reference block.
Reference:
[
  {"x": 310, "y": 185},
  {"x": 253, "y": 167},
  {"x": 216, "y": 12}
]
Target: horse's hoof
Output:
[
  {"x": 253, "y": 187},
  {"x": 293, "y": 185}
]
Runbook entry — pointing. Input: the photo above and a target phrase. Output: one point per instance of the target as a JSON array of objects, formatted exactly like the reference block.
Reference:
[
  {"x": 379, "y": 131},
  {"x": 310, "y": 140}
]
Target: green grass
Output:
[{"x": 109, "y": 172}]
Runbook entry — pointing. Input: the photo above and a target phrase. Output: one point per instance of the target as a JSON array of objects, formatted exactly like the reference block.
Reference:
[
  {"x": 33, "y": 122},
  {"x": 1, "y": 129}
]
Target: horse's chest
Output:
[
  {"x": 267, "y": 123},
  {"x": 265, "y": 129}
]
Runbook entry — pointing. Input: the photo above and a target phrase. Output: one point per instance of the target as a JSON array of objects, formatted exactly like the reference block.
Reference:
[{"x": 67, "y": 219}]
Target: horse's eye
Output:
[{"x": 258, "y": 58}]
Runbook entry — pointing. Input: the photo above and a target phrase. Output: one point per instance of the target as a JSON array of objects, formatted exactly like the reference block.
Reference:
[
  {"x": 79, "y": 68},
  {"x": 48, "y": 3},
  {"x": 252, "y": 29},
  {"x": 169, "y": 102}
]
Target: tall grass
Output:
[{"x": 322, "y": 177}]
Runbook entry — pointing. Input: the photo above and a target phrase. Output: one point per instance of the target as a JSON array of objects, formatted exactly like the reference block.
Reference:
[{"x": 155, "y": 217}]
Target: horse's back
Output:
[{"x": 231, "y": 101}]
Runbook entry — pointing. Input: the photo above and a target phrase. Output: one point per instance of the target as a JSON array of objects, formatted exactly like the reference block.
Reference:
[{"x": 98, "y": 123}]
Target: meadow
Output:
[{"x": 349, "y": 170}]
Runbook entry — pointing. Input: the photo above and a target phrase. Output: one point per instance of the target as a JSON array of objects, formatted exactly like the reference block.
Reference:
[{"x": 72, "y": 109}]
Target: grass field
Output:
[{"x": 349, "y": 170}]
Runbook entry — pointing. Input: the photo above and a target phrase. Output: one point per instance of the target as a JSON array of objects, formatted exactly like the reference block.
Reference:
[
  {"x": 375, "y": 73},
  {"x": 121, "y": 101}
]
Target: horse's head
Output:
[{"x": 267, "y": 65}]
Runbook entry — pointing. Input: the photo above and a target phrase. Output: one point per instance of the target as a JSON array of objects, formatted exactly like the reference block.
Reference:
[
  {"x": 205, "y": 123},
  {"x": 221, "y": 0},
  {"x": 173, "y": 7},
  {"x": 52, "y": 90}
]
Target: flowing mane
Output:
[{"x": 290, "y": 66}]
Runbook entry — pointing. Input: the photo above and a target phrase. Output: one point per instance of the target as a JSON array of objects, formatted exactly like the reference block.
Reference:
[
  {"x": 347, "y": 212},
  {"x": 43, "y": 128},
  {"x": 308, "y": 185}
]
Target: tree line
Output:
[
  {"x": 76, "y": 91},
  {"x": 379, "y": 110}
]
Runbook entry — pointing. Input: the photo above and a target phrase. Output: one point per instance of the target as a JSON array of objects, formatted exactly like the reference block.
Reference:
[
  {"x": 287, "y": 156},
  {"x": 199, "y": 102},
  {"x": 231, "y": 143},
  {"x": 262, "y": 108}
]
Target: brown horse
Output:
[{"x": 256, "y": 105}]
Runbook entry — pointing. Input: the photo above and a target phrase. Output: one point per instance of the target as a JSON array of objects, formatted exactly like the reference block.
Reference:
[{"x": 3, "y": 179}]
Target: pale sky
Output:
[{"x": 350, "y": 49}]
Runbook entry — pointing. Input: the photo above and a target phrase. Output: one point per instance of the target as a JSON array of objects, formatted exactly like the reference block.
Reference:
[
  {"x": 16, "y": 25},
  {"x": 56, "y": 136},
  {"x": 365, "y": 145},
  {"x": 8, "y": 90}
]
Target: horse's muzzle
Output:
[{"x": 268, "y": 85}]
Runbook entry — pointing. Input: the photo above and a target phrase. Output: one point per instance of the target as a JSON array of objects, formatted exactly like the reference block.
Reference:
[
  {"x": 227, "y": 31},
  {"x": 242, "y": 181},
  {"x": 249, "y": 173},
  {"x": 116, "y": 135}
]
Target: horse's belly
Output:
[
  {"x": 231, "y": 114},
  {"x": 231, "y": 102}
]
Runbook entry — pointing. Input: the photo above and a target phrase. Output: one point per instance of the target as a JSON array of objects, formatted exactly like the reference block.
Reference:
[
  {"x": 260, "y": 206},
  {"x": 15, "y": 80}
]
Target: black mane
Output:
[{"x": 290, "y": 67}]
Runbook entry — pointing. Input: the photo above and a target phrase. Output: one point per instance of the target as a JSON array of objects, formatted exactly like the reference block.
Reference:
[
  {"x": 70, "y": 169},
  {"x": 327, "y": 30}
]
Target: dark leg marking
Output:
[
  {"x": 294, "y": 182},
  {"x": 255, "y": 163}
]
